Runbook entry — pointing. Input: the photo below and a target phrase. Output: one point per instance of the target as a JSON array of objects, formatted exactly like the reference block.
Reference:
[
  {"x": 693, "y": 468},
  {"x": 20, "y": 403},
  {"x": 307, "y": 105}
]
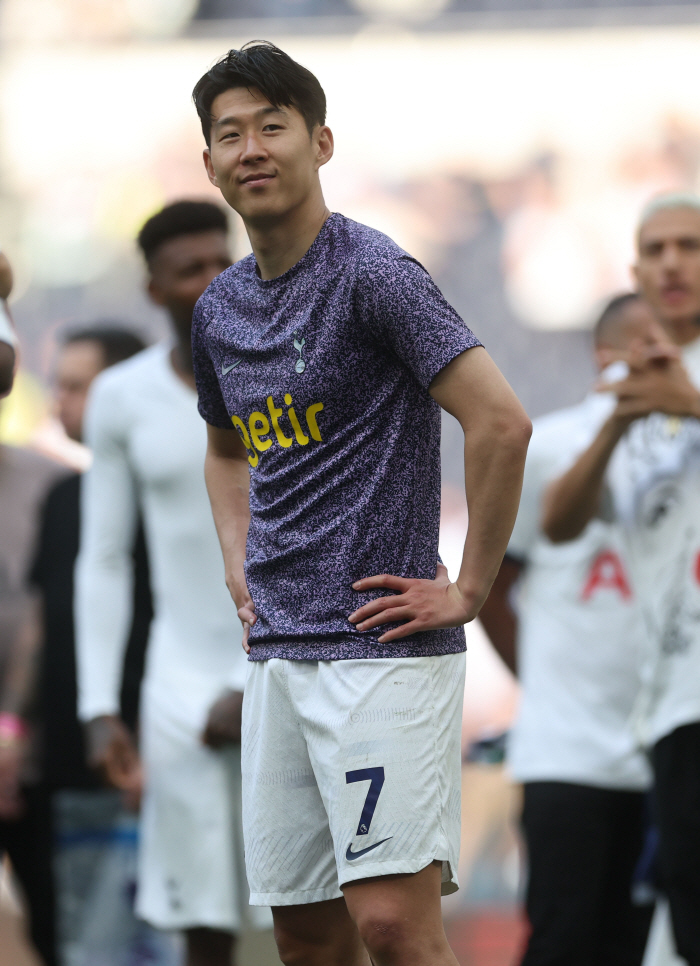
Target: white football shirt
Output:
[
  {"x": 655, "y": 480},
  {"x": 580, "y": 633},
  {"x": 148, "y": 443}
]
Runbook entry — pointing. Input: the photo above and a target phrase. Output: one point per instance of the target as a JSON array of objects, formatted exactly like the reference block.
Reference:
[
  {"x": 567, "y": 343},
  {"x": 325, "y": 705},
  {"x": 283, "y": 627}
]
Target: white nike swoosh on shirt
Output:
[{"x": 227, "y": 369}]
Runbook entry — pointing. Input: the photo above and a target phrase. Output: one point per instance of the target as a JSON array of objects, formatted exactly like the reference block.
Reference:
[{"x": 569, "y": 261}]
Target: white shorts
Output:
[
  {"x": 191, "y": 869},
  {"x": 351, "y": 769}
]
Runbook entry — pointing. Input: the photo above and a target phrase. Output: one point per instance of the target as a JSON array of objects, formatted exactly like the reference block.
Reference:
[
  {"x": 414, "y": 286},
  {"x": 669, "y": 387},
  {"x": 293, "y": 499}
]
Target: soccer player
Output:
[
  {"x": 580, "y": 643},
  {"x": 8, "y": 339},
  {"x": 653, "y": 474},
  {"x": 148, "y": 444},
  {"x": 322, "y": 360}
]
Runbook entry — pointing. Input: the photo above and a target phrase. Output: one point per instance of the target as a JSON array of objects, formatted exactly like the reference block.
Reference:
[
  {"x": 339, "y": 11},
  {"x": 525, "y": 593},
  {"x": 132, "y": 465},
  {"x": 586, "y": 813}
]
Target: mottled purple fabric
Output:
[{"x": 324, "y": 372}]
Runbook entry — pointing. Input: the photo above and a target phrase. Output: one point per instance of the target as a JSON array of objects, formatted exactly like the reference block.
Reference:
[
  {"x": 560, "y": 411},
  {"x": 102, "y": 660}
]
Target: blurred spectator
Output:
[
  {"x": 650, "y": 475},
  {"x": 579, "y": 644},
  {"x": 45, "y": 637},
  {"x": 83, "y": 355},
  {"x": 149, "y": 444},
  {"x": 7, "y": 333},
  {"x": 25, "y": 802}
]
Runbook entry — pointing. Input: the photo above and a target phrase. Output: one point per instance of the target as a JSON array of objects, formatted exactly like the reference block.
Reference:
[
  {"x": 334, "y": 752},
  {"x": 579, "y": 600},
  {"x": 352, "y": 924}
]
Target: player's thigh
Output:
[
  {"x": 384, "y": 738},
  {"x": 288, "y": 845}
]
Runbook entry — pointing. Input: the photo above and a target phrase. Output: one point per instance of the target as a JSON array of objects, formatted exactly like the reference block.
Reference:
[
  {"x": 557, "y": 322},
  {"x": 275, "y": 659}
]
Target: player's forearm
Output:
[
  {"x": 103, "y": 610},
  {"x": 494, "y": 460},
  {"x": 228, "y": 481},
  {"x": 497, "y": 615},
  {"x": 573, "y": 500}
]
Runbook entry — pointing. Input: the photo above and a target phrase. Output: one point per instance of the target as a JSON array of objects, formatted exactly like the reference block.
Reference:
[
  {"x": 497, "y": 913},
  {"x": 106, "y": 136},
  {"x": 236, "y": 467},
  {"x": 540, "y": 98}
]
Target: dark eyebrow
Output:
[{"x": 263, "y": 112}]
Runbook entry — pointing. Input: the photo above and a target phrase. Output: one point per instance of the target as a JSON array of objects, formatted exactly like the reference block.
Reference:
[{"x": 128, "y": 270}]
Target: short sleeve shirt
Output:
[
  {"x": 580, "y": 635},
  {"x": 324, "y": 372}
]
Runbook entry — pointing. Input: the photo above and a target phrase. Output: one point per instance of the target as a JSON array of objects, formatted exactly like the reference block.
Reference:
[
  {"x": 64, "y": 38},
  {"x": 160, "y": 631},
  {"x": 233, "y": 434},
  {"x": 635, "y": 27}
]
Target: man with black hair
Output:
[
  {"x": 148, "y": 444},
  {"x": 576, "y": 637},
  {"x": 322, "y": 361}
]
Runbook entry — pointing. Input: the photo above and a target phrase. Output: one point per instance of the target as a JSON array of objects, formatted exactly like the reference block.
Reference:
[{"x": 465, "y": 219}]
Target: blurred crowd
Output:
[{"x": 108, "y": 711}]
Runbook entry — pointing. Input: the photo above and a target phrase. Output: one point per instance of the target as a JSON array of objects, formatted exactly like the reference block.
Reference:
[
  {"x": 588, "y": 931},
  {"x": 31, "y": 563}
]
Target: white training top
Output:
[
  {"x": 580, "y": 633},
  {"x": 655, "y": 480},
  {"x": 7, "y": 332},
  {"x": 149, "y": 442}
]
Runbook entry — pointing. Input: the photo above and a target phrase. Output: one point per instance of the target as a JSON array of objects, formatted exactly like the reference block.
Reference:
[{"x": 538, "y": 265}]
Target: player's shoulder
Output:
[
  {"x": 562, "y": 423},
  {"x": 123, "y": 377},
  {"x": 367, "y": 249},
  {"x": 557, "y": 422}
]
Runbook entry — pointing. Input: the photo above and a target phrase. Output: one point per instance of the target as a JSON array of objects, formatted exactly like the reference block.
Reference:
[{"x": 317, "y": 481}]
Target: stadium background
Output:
[{"x": 508, "y": 144}]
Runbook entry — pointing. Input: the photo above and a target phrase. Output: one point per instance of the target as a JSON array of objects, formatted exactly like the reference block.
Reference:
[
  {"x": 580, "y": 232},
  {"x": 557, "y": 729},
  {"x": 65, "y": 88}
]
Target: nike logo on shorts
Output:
[
  {"x": 350, "y": 855},
  {"x": 226, "y": 369}
]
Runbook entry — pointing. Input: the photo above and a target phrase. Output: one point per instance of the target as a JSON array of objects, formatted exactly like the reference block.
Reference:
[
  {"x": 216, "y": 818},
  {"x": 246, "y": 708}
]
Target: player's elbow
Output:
[
  {"x": 511, "y": 430},
  {"x": 559, "y": 526},
  {"x": 557, "y": 530}
]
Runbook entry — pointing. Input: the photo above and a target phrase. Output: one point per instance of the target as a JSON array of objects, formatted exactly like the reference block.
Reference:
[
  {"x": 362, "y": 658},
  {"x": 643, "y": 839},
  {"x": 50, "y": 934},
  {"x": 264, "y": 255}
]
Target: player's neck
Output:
[
  {"x": 683, "y": 331},
  {"x": 181, "y": 361},
  {"x": 278, "y": 245}
]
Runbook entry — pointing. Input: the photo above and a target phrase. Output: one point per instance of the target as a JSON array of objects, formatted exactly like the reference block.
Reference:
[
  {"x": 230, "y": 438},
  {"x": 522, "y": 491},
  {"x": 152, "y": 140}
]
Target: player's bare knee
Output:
[
  {"x": 291, "y": 950},
  {"x": 385, "y": 933}
]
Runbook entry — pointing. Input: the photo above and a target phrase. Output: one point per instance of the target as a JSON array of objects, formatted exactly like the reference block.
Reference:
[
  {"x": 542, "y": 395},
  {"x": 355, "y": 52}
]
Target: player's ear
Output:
[
  {"x": 155, "y": 292},
  {"x": 211, "y": 174},
  {"x": 323, "y": 137}
]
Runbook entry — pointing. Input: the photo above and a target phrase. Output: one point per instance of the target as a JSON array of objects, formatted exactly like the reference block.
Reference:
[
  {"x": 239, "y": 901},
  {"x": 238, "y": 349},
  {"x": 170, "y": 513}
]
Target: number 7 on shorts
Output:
[{"x": 375, "y": 776}]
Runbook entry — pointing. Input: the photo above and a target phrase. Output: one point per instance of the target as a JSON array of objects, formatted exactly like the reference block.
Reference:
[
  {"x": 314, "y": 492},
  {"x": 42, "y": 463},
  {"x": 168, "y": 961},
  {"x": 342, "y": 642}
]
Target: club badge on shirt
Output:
[{"x": 299, "y": 344}]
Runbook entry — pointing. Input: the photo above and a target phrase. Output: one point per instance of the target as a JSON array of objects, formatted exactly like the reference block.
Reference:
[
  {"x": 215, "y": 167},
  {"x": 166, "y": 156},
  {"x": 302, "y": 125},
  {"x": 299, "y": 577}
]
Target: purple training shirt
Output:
[{"x": 324, "y": 372}]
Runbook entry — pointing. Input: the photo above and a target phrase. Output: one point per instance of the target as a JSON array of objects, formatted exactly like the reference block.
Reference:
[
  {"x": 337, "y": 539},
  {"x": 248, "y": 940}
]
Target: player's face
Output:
[
  {"x": 78, "y": 364},
  {"x": 183, "y": 268},
  {"x": 668, "y": 264},
  {"x": 263, "y": 158}
]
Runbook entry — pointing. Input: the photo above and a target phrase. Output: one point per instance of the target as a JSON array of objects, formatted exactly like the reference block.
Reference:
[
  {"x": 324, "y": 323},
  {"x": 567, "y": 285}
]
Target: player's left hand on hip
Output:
[
  {"x": 424, "y": 605},
  {"x": 223, "y": 725}
]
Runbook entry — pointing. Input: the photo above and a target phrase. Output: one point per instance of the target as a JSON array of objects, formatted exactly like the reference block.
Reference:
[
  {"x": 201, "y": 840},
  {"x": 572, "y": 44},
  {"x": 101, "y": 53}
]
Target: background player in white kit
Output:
[
  {"x": 148, "y": 443},
  {"x": 580, "y": 644},
  {"x": 652, "y": 473}
]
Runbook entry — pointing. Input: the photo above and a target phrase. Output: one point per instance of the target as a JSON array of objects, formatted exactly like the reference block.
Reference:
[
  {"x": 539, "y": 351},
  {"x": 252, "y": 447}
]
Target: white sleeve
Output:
[
  {"x": 104, "y": 570},
  {"x": 7, "y": 332}
]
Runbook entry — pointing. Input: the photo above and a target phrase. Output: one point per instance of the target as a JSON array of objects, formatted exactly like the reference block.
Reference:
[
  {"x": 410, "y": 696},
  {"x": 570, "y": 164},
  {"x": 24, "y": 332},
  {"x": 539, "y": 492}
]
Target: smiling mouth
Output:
[{"x": 257, "y": 180}]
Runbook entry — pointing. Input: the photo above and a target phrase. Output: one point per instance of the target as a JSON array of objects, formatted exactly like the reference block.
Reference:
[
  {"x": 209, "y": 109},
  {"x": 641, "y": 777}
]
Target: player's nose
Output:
[{"x": 253, "y": 149}]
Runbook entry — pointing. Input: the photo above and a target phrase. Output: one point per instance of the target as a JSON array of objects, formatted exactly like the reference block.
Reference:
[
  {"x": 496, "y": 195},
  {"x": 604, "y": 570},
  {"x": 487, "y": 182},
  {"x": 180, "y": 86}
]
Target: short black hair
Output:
[
  {"x": 611, "y": 315},
  {"x": 180, "y": 218},
  {"x": 266, "y": 68},
  {"x": 117, "y": 342}
]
